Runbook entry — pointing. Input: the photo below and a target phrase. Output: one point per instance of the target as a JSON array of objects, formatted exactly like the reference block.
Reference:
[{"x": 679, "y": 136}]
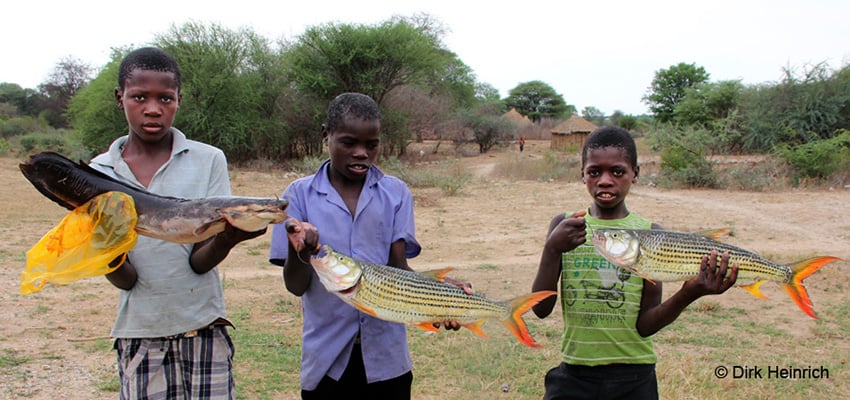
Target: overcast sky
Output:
[{"x": 594, "y": 53}]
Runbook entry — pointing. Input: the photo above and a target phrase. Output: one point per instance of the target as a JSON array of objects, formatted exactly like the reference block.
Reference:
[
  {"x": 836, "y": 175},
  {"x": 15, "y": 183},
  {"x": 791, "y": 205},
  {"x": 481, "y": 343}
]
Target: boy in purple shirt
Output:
[{"x": 365, "y": 214}]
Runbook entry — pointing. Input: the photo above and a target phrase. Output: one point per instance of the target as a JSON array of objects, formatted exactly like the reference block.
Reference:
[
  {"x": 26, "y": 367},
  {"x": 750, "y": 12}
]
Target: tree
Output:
[
  {"x": 594, "y": 115},
  {"x": 486, "y": 92},
  {"x": 536, "y": 100},
  {"x": 93, "y": 111},
  {"x": 231, "y": 83},
  {"x": 334, "y": 58},
  {"x": 706, "y": 102},
  {"x": 669, "y": 86},
  {"x": 627, "y": 122},
  {"x": 68, "y": 77},
  {"x": 376, "y": 59},
  {"x": 488, "y": 130}
]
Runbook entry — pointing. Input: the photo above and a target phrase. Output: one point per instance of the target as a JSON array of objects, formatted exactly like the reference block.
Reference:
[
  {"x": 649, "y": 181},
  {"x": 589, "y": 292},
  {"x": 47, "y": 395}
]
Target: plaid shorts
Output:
[{"x": 190, "y": 366}]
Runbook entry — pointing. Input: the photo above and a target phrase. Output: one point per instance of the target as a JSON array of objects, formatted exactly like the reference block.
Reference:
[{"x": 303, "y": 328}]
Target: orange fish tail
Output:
[
  {"x": 519, "y": 306},
  {"x": 799, "y": 271}
]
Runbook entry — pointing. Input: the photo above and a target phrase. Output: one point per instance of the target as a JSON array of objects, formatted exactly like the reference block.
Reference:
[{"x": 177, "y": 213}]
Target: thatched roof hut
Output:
[
  {"x": 521, "y": 121},
  {"x": 571, "y": 134}
]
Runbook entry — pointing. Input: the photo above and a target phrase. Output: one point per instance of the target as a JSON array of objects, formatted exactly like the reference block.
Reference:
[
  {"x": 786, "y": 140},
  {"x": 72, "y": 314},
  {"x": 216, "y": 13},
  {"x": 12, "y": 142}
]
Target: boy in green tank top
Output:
[{"x": 609, "y": 313}]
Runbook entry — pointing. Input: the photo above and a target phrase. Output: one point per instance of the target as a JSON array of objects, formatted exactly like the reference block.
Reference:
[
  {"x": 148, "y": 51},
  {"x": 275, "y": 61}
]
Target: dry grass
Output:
[{"x": 491, "y": 232}]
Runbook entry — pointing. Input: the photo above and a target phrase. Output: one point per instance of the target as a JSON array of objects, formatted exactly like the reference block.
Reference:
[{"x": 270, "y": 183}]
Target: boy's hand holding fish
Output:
[
  {"x": 304, "y": 239},
  {"x": 568, "y": 234},
  {"x": 712, "y": 278}
]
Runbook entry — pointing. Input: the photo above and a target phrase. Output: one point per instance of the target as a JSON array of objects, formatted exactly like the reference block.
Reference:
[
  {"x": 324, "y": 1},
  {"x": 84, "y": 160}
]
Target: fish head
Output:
[
  {"x": 251, "y": 215},
  {"x": 620, "y": 247},
  {"x": 338, "y": 273}
]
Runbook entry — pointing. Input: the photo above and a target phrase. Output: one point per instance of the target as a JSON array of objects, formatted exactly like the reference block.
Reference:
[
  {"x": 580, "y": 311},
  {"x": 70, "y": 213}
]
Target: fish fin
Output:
[
  {"x": 519, "y": 306},
  {"x": 438, "y": 274},
  {"x": 428, "y": 326},
  {"x": 719, "y": 234},
  {"x": 801, "y": 270},
  {"x": 753, "y": 288},
  {"x": 366, "y": 310},
  {"x": 644, "y": 276},
  {"x": 199, "y": 231},
  {"x": 475, "y": 327}
]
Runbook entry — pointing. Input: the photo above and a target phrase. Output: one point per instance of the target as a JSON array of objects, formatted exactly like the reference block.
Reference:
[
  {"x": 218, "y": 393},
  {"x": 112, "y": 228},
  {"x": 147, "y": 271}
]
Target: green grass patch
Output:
[{"x": 11, "y": 358}]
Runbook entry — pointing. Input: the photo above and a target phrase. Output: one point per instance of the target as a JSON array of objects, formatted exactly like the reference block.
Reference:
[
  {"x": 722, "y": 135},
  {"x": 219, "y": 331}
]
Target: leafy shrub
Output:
[
  {"x": 308, "y": 164},
  {"x": 553, "y": 166},
  {"x": 687, "y": 167},
  {"x": 19, "y": 126},
  {"x": 819, "y": 159},
  {"x": 770, "y": 174},
  {"x": 67, "y": 143},
  {"x": 451, "y": 178},
  {"x": 5, "y": 147}
]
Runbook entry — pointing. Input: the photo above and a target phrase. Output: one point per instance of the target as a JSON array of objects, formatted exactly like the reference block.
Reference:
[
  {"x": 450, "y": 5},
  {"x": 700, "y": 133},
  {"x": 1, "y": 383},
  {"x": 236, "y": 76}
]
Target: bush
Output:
[
  {"x": 686, "y": 167},
  {"x": 770, "y": 174},
  {"x": 451, "y": 177},
  {"x": 308, "y": 164},
  {"x": 5, "y": 147},
  {"x": 818, "y": 159},
  {"x": 20, "y": 126},
  {"x": 552, "y": 167},
  {"x": 64, "y": 142}
]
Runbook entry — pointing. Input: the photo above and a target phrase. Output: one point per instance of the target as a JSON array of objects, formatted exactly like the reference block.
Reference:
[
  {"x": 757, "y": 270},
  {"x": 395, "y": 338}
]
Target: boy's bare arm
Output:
[
  {"x": 124, "y": 277},
  {"x": 712, "y": 279},
  {"x": 565, "y": 234}
]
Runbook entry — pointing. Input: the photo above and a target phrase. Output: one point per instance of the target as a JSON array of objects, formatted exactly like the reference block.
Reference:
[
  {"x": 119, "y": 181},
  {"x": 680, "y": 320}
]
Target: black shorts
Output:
[
  {"x": 636, "y": 381},
  {"x": 352, "y": 384}
]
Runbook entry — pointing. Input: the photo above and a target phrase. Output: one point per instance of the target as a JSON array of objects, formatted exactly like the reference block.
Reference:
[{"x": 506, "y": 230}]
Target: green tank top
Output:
[{"x": 600, "y": 303}]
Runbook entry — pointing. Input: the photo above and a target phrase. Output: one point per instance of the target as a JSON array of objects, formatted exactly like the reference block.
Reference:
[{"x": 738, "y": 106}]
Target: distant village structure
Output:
[
  {"x": 521, "y": 121},
  {"x": 524, "y": 126},
  {"x": 571, "y": 134}
]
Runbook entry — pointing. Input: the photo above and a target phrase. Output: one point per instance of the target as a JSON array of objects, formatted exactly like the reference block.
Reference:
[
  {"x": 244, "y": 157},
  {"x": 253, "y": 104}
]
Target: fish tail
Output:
[
  {"x": 799, "y": 271},
  {"x": 519, "y": 306}
]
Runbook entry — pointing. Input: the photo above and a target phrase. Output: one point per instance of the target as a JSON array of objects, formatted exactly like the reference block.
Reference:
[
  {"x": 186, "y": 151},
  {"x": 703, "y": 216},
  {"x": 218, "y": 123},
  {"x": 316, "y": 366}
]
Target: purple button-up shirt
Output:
[{"x": 384, "y": 215}]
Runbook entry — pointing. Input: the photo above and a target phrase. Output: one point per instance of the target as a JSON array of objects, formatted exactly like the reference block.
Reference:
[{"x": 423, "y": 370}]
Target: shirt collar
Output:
[{"x": 179, "y": 145}]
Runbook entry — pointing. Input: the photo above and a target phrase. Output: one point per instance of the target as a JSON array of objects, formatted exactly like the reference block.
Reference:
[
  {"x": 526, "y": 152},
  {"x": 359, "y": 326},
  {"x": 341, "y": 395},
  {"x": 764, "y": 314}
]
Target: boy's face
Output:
[
  {"x": 608, "y": 175},
  {"x": 354, "y": 148},
  {"x": 150, "y": 100}
]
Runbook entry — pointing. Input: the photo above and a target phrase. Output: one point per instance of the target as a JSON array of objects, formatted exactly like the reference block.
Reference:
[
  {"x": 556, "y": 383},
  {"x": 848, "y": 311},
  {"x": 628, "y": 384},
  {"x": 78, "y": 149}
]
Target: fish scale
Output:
[
  {"x": 398, "y": 295},
  {"x": 671, "y": 256},
  {"x": 659, "y": 255},
  {"x": 394, "y": 291}
]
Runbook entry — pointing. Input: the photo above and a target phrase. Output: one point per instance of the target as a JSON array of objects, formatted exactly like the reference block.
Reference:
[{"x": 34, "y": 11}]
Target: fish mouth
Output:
[{"x": 597, "y": 238}]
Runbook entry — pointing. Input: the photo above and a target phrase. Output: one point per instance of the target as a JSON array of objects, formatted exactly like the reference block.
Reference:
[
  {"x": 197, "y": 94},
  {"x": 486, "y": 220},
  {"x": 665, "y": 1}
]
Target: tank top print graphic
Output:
[{"x": 600, "y": 304}]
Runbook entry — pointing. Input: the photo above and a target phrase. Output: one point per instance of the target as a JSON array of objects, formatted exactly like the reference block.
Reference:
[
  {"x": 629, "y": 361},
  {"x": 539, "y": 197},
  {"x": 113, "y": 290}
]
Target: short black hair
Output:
[
  {"x": 149, "y": 59},
  {"x": 612, "y": 136},
  {"x": 351, "y": 105}
]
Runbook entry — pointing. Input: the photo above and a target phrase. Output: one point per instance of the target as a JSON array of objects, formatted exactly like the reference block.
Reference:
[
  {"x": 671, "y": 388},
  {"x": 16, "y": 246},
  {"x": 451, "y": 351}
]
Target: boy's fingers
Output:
[{"x": 292, "y": 225}]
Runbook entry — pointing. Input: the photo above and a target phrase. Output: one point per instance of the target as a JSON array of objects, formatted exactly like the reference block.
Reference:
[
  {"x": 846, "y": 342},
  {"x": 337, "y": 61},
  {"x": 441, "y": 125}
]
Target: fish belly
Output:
[{"x": 404, "y": 296}]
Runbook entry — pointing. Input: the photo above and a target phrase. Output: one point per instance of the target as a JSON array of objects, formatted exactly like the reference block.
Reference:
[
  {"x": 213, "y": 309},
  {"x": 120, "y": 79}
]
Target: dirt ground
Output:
[{"x": 46, "y": 338}]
